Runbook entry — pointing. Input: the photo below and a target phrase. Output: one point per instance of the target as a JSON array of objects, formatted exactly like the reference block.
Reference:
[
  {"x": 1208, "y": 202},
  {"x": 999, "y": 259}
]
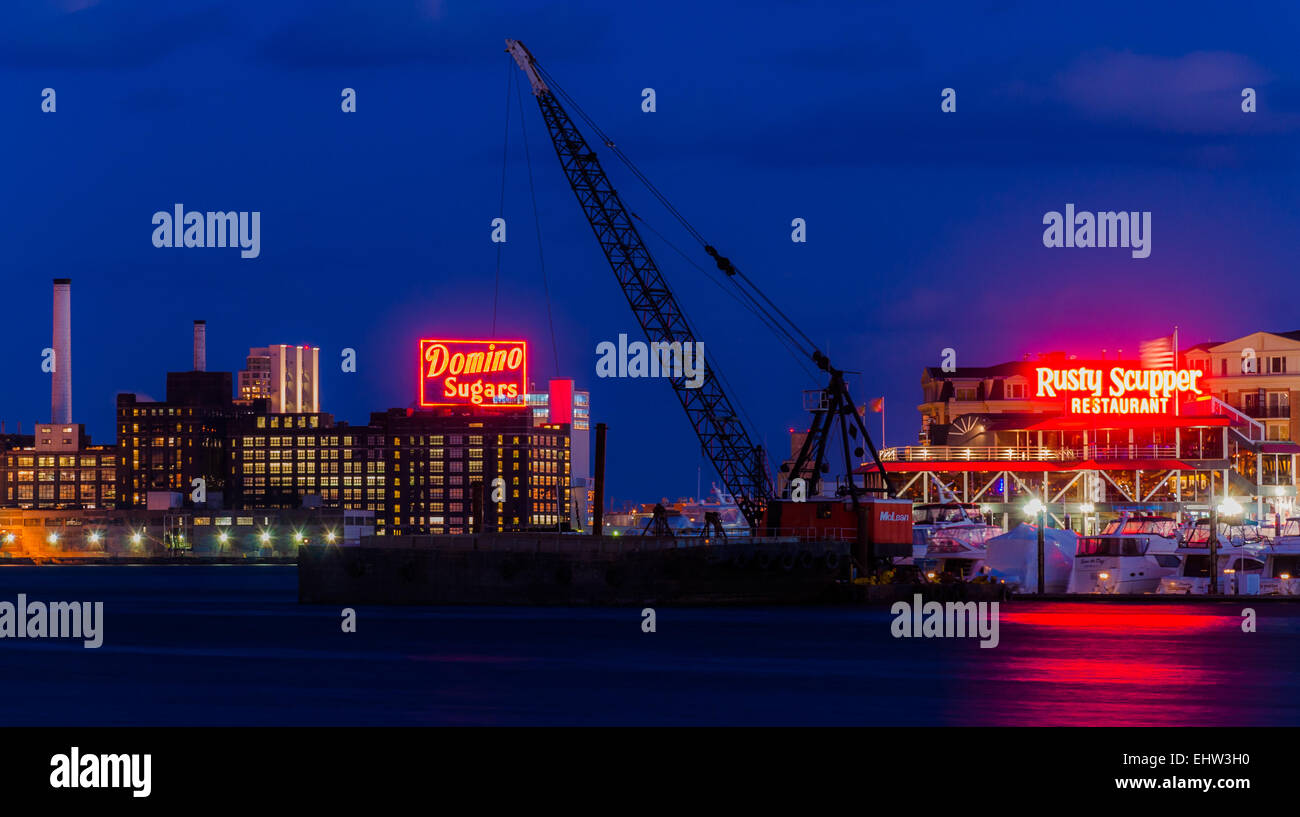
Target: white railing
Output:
[
  {"x": 1250, "y": 428},
  {"x": 1024, "y": 453}
]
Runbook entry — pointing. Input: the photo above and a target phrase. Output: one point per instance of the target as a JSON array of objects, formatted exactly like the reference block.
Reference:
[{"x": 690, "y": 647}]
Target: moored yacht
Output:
[
  {"x": 1282, "y": 562},
  {"x": 1240, "y": 556},
  {"x": 950, "y": 537},
  {"x": 1131, "y": 555}
]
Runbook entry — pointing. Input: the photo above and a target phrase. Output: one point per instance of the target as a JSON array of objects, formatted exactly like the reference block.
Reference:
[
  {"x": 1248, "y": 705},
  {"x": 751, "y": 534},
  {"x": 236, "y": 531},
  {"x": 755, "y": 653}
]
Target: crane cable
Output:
[
  {"x": 537, "y": 224},
  {"x": 501, "y": 209},
  {"x": 723, "y": 263},
  {"x": 794, "y": 352}
]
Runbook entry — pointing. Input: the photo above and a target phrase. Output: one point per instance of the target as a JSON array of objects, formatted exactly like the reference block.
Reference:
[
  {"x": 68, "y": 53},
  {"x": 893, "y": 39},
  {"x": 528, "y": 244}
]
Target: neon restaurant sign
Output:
[
  {"x": 489, "y": 373},
  {"x": 1119, "y": 391}
]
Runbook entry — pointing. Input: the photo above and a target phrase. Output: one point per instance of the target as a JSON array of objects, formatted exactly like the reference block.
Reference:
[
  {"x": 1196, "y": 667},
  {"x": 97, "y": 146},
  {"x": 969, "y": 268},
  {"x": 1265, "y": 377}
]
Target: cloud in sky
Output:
[{"x": 1196, "y": 92}]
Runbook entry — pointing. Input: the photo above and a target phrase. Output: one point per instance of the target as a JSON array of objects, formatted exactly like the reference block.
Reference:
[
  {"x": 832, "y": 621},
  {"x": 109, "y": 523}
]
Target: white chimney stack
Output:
[
  {"x": 200, "y": 346},
  {"x": 61, "y": 382}
]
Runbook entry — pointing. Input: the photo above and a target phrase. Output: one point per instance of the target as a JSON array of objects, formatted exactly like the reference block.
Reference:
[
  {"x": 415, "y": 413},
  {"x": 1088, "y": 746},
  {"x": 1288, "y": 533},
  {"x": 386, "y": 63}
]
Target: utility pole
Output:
[{"x": 1042, "y": 519}]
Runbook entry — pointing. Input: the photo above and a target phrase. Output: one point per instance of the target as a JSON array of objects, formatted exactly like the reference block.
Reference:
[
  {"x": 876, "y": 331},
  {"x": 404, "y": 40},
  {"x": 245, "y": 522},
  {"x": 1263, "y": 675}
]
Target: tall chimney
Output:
[
  {"x": 61, "y": 383},
  {"x": 200, "y": 346}
]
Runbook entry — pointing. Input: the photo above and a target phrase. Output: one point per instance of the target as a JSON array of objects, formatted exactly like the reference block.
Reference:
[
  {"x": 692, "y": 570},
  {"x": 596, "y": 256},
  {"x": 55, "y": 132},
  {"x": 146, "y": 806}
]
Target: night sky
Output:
[{"x": 924, "y": 228}]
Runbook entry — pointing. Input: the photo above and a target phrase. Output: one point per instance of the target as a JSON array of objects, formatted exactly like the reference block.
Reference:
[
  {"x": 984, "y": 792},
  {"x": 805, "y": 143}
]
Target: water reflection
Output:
[{"x": 1136, "y": 664}]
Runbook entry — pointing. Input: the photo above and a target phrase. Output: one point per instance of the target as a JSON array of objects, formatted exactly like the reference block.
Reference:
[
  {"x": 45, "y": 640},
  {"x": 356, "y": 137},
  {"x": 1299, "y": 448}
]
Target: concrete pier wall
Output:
[{"x": 570, "y": 570}]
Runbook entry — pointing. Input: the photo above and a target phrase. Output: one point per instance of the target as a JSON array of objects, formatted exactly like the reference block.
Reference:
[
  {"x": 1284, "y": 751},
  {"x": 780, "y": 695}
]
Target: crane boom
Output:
[{"x": 739, "y": 463}]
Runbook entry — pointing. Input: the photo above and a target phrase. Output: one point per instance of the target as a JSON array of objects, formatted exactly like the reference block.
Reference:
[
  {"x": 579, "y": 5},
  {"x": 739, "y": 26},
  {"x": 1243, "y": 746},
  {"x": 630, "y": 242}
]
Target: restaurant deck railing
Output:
[{"x": 1028, "y": 453}]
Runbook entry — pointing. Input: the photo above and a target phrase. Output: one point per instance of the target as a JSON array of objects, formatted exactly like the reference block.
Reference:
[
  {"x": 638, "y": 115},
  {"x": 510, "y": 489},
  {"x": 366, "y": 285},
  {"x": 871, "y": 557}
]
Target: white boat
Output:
[
  {"x": 950, "y": 537},
  {"x": 1281, "y": 575},
  {"x": 1240, "y": 561},
  {"x": 1131, "y": 555},
  {"x": 1013, "y": 558}
]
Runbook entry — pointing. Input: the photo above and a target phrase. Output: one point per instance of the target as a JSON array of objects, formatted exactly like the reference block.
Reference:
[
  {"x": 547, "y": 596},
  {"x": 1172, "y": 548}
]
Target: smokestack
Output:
[
  {"x": 200, "y": 346},
  {"x": 61, "y": 382}
]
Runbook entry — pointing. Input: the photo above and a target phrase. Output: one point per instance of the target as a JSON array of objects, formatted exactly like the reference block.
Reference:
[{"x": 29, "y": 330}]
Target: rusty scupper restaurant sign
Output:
[
  {"x": 488, "y": 373},
  {"x": 1119, "y": 391}
]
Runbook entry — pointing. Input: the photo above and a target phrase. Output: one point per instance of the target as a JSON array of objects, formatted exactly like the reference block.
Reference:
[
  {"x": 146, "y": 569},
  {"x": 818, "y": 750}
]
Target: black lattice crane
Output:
[{"x": 725, "y": 440}]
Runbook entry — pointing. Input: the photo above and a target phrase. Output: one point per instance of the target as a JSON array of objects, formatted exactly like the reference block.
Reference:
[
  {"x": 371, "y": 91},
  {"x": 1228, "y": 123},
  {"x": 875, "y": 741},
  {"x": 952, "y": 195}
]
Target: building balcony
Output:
[{"x": 1267, "y": 412}]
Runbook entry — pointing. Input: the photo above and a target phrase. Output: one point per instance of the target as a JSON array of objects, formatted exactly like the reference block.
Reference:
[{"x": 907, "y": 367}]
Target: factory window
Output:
[
  {"x": 67, "y": 492},
  {"x": 25, "y": 492}
]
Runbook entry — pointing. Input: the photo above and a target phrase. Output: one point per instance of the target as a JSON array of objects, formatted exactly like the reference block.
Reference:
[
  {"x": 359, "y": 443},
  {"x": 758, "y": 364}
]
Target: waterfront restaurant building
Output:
[{"x": 1002, "y": 435}]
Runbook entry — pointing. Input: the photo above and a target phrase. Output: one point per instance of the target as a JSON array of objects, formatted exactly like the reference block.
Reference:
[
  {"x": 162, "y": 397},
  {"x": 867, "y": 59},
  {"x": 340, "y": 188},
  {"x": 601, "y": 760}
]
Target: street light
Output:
[
  {"x": 1035, "y": 507},
  {"x": 1228, "y": 507}
]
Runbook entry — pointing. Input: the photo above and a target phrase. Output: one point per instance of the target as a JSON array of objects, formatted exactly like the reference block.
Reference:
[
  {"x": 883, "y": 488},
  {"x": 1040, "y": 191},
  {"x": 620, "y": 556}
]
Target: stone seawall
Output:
[{"x": 521, "y": 571}]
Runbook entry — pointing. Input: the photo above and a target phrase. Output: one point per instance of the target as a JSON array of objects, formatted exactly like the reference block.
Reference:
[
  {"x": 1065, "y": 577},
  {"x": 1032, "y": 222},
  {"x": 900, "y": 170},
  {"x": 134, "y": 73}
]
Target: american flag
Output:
[{"x": 1159, "y": 353}]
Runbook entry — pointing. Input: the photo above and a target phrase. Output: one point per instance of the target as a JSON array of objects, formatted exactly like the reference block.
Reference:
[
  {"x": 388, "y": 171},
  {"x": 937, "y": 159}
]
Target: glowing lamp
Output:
[
  {"x": 1229, "y": 507},
  {"x": 223, "y": 537},
  {"x": 329, "y": 537},
  {"x": 94, "y": 537},
  {"x": 266, "y": 537},
  {"x": 930, "y": 575},
  {"x": 1034, "y": 507},
  {"x": 135, "y": 538},
  {"x": 53, "y": 538},
  {"x": 1103, "y": 576},
  {"x": 1087, "y": 507}
]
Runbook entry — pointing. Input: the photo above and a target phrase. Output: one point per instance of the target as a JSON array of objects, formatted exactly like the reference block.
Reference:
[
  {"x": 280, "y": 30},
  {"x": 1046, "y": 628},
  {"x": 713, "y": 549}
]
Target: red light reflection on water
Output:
[
  {"x": 1093, "y": 618},
  {"x": 1095, "y": 664}
]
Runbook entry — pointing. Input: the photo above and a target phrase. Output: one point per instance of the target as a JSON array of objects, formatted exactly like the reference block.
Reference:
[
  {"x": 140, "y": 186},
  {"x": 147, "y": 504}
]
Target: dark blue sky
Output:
[{"x": 924, "y": 229}]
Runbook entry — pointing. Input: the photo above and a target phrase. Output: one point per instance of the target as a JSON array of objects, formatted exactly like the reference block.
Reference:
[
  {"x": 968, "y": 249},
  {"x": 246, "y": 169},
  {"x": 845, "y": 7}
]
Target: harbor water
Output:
[{"x": 230, "y": 645}]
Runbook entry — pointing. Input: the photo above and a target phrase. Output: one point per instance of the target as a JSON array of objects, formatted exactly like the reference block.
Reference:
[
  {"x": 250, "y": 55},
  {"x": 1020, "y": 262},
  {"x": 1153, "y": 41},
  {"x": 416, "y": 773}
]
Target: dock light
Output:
[
  {"x": 135, "y": 538},
  {"x": 223, "y": 537},
  {"x": 1103, "y": 576},
  {"x": 53, "y": 538},
  {"x": 1035, "y": 507},
  {"x": 329, "y": 537},
  {"x": 1282, "y": 576},
  {"x": 9, "y": 538},
  {"x": 297, "y": 536},
  {"x": 266, "y": 537},
  {"x": 930, "y": 575},
  {"x": 1229, "y": 507},
  {"x": 94, "y": 537}
]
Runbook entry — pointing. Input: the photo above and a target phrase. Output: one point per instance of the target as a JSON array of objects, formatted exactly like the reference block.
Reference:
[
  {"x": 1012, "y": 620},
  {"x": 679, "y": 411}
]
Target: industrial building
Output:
[{"x": 204, "y": 456}]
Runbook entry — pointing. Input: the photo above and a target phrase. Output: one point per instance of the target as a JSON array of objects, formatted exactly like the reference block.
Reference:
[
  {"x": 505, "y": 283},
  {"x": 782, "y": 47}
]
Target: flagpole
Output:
[{"x": 882, "y": 421}]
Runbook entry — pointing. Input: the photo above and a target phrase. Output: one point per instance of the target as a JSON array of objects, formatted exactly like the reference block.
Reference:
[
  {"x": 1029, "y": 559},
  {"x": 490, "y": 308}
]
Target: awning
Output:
[
  {"x": 1084, "y": 422},
  {"x": 1028, "y": 466},
  {"x": 1279, "y": 448}
]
